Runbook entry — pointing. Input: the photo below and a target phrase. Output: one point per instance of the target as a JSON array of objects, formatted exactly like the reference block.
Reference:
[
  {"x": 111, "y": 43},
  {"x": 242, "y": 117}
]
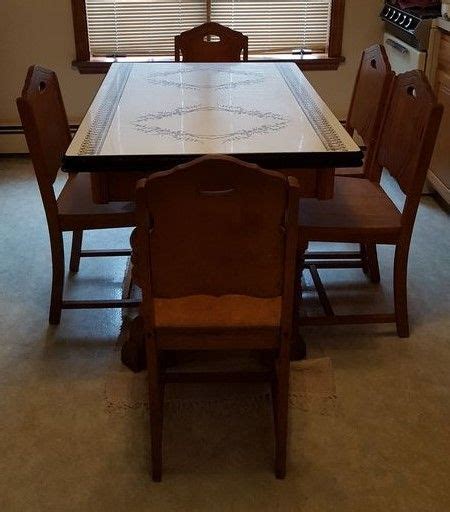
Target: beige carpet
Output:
[{"x": 74, "y": 432}]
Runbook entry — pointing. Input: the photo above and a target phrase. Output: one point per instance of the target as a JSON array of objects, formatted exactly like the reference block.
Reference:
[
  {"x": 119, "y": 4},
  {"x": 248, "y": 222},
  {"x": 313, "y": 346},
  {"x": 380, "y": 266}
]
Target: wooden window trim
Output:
[{"x": 86, "y": 64}]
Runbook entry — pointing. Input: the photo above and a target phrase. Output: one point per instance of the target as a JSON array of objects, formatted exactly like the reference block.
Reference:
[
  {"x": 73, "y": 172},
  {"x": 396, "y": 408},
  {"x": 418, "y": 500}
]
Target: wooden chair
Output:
[
  {"x": 369, "y": 100},
  {"x": 200, "y": 45},
  {"x": 361, "y": 211},
  {"x": 48, "y": 135},
  {"x": 203, "y": 243}
]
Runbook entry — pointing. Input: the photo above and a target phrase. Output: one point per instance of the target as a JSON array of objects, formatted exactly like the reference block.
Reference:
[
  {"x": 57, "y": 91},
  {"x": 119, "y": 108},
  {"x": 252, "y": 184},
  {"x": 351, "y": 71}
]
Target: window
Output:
[{"x": 308, "y": 31}]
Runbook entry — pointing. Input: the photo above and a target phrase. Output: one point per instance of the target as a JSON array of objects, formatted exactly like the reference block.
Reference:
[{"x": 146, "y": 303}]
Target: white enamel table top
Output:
[{"x": 180, "y": 109}]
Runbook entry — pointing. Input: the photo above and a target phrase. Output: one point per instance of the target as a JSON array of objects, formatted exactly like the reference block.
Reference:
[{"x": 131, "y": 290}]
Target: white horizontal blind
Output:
[
  {"x": 131, "y": 27},
  {"x": 148, "y": 27},
  {"x": 277, "y": 26}
]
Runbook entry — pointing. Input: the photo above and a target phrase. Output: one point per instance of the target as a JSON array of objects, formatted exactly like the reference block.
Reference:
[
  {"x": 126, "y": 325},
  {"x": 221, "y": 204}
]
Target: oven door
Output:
[{"x": 402, "y": 56}]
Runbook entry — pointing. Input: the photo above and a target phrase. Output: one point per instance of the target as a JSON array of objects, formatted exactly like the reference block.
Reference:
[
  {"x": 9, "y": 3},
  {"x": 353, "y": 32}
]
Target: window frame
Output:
[{"x": 86, "y": 64}]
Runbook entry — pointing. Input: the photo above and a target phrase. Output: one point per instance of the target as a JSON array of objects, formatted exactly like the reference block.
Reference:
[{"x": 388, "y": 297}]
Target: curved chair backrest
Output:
[
  {"x": 47, "y": 132},
  {"x": 44, "y": 120},
  {"x": 202, "y": 230},
  {"x": 370, "y": 97},
  {"x": 200, "y": 45},
  {"x": 408, "y": 135}
]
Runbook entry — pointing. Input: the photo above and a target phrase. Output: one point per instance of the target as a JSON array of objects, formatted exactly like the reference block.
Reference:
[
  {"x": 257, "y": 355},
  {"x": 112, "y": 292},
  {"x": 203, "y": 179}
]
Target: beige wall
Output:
[
  {"x": 40, "y": 31},
  {"x": 362, "y": 28}
]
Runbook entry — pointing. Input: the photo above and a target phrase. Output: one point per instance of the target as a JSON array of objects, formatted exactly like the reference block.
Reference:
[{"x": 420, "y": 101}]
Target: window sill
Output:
[{"x": 312, "y": 62}]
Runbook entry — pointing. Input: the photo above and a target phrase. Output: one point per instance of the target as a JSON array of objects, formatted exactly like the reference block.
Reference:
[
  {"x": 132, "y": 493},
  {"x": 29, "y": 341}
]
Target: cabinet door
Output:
[
  {"x": 440, "y": 164},
  {"x": 444, "y": 53}
]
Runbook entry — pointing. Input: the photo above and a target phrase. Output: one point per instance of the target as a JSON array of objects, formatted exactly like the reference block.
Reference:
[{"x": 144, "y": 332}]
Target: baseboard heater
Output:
[
  {"x": 18, "y": 129},
  {"x": 12, "y": 139}
]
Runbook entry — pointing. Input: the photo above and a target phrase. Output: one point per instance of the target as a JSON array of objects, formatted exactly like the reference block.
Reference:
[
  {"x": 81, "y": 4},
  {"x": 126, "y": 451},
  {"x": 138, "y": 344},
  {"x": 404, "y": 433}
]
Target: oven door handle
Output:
[{"x": 397, "y": 46}]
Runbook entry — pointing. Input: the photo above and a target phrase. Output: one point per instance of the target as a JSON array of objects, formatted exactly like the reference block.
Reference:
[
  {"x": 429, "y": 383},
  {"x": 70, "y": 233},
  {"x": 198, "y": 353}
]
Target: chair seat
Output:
[
  {"x": 360, "y": 211},
  {"x": 218, "y": 323},
  {"x": 78, "y": 211},
  {"x": 228, "y": 311}
]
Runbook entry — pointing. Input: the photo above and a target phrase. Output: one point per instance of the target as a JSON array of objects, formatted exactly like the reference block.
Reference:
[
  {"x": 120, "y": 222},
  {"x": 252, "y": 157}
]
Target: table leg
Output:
[{"x": 298, "y": 348}]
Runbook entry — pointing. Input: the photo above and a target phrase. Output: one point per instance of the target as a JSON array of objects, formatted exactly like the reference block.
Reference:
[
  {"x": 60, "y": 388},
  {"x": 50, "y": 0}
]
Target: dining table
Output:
[{"x": 149, "y": 117}]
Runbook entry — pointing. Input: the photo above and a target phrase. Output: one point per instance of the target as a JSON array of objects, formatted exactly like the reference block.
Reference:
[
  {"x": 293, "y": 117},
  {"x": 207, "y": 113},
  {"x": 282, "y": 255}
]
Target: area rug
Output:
[{"x": 312, "y": 385}]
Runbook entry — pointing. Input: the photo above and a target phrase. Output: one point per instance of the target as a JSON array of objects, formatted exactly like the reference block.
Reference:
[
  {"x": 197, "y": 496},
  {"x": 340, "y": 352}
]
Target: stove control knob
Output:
[
  {"x": 397, "y": 17},
  {"x": 393, "y": 13},
  {"x": 408, "y": 23},
  {"x": 402, "y": 20}
]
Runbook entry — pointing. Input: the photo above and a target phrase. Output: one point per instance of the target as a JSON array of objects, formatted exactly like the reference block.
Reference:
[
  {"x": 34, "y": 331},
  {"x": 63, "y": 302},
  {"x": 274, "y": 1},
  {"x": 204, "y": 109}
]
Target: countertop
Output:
[{"x": 442, "y": 24}]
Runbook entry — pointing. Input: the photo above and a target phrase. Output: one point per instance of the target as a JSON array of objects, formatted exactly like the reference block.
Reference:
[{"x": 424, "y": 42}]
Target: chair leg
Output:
[
  {"x": 298, "y": 346},
  {"x": 57, "y": 248},
  {"x": 364, "y": 262},
  {"x": 75, "y": 255},
  {"x": 281, "y": 418},
  {"x": 156, "y": 397},
  {"x": 400, "y": 290},
  {"x": 274, "y": 391},
  {"x": 372, "y": 260}
]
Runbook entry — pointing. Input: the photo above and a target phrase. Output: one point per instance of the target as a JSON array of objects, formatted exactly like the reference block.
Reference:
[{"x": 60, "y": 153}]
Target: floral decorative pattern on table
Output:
[
  {"x": 271, "y": 122},
  {"x": 223, "y": 77}
]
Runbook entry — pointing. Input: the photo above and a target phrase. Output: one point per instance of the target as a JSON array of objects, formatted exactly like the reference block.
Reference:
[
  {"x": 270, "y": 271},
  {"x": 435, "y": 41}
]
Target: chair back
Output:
[
  {"x": 370, "y": 97},
  {"x": 45, "y": 123},
  {"x": 408, "y": 136},
  {"x": 200, "y": 45},
  {"x": 216, "y": 226}
]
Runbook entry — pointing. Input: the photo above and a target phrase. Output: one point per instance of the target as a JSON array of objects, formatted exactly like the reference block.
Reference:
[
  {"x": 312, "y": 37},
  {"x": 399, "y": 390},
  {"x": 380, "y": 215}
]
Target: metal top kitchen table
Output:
[{"x": 151, "y": 116}]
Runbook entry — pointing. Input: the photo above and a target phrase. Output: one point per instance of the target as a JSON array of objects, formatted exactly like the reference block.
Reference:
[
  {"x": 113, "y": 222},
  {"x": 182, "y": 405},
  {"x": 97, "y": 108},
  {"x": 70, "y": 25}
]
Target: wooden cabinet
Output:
[
  {"x": 439, "y": 175},
  {"x": 444, "y": 52}
]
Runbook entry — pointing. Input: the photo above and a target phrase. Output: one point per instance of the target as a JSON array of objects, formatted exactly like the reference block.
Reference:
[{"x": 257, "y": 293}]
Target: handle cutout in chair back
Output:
[
  {"x": 373, "y": 63},
  {"x": 42, "y": 86},
  {"x": 216, "y": 193},
  {"x": 212, "y": 38},
  {"x": 412, "y": 91}
]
